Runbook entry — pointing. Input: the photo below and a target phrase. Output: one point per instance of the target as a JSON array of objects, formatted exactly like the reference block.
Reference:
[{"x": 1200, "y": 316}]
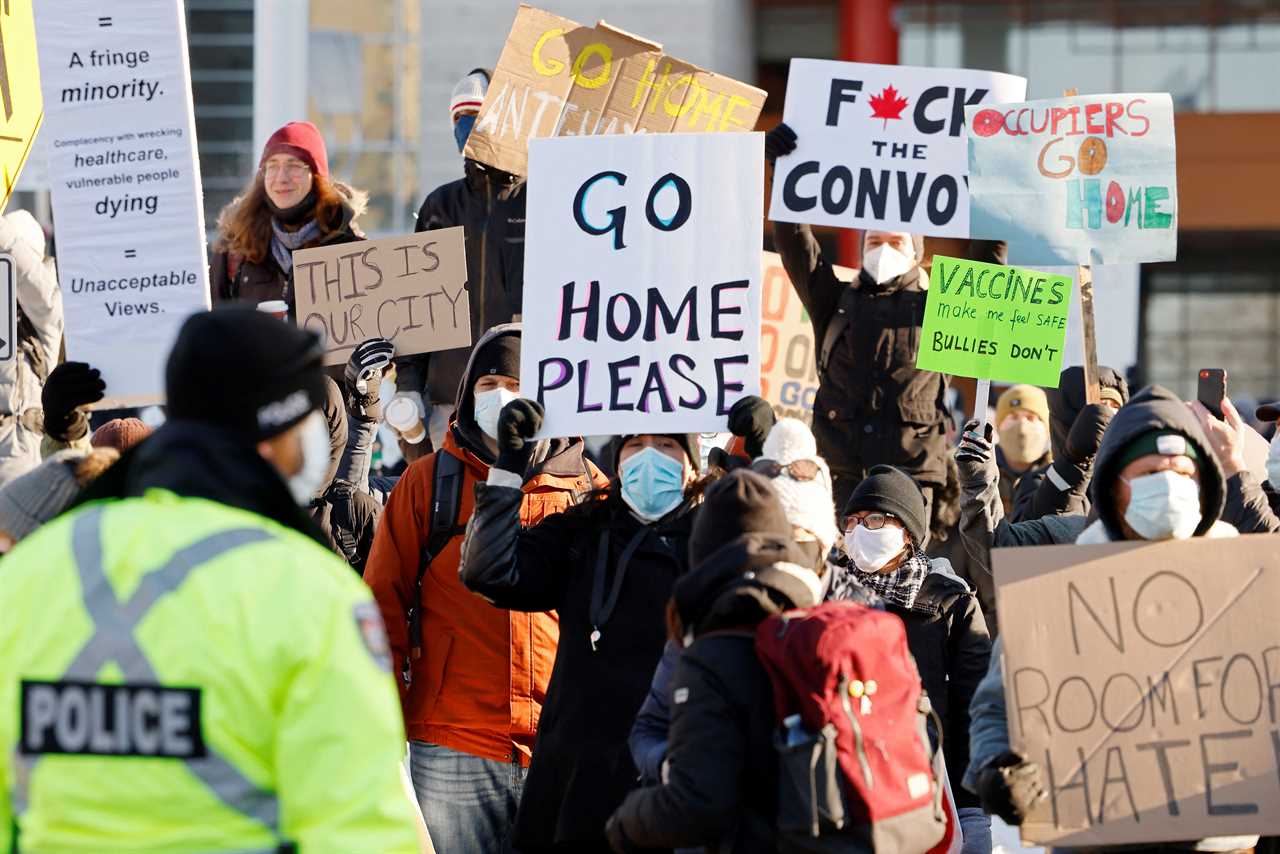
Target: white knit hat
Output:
[
  {"x": 808, "y": 503},
  {"x": 469, "y": 94}
]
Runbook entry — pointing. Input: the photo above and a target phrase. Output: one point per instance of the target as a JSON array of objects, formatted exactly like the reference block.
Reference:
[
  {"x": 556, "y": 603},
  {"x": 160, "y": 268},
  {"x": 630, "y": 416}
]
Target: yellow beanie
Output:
[{"x": 1027, "y": 398}]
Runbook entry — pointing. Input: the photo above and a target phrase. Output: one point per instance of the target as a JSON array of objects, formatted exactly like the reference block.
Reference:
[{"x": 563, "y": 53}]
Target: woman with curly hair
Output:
[{"x": 291, "y": 203}]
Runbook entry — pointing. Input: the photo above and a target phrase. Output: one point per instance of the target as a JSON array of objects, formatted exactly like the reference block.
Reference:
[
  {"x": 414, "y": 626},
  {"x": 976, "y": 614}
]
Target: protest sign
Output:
[
  {"x": 21, "y": 107},
  {"x": 558, "y": 78},
  {"x": 788, "y": 358},
  {"x": 410, "y": 290},
  {"x": 126, "y": 185},
  {"x": 642, "y": 281},
  {"x": 1089, "y": 179},
  {"x": 1143, "y": 678},
  {"x": 881, "y": 146},
  {"x": 994, "y": 322},
  {"x": 9, "y": 305}
]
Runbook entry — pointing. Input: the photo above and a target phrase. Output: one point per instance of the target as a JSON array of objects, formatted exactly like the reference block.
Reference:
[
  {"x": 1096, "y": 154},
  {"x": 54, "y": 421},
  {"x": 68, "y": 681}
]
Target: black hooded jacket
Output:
[
  {"x": 489, "y": 205},
  {"x": 582, "y": 767},
  {"x": 202, "y": 461},
  {"x": 722, "y": 771},
  {"x": 873, "y": 406},
  {"x": 1154, "y": 408},
  {"x": 1037, "y": 495},
  {"x": 347, "y": 516}
]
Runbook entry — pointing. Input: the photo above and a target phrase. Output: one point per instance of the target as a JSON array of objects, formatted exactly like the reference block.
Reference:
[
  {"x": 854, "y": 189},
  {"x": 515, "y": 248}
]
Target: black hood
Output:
[
  {"x": 1066, "y": 401},
  {"x": 742, "y": 583},
  {"x": 1154, "y": 408},
  {"x": 196, "y": 460}
]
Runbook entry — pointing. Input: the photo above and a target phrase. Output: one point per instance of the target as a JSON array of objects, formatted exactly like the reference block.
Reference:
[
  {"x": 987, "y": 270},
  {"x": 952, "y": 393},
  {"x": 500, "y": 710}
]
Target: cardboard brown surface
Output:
[
  {"x": 556, "y": 77},
  {"x": 1145, "y": 677},
  {"x": 411, "y": 290}
]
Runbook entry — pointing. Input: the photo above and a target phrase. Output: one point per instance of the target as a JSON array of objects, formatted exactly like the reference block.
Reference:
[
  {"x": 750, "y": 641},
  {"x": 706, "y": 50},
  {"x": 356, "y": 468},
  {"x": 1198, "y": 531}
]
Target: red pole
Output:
[{"x": 867, "y": 34}]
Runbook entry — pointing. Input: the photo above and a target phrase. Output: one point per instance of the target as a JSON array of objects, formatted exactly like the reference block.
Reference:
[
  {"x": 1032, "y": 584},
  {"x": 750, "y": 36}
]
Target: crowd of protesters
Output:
[{"x": 543, "y": 647}]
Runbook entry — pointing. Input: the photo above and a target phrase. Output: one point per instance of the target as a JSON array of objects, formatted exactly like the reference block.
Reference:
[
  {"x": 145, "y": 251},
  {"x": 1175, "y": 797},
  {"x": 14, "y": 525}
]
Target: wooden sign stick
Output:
[{"x": 1084, "y": 273}]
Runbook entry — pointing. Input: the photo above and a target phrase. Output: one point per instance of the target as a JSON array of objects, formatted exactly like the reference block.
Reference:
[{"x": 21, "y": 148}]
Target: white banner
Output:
[
  {"x": 126, "y": 184},
  {"x": 881, "y": 146},
  {"x": 642, "y": 281}
]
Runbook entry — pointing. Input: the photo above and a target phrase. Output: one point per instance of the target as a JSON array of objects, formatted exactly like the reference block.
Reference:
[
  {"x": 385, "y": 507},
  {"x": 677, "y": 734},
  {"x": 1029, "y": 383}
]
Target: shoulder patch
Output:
[
  {"x": 680, "y": 696},
  {"x": 373, "y": 633}
]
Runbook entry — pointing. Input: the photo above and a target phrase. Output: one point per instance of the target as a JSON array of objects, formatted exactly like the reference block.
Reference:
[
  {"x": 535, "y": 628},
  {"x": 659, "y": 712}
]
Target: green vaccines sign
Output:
[{"x": 993, "y": 322}]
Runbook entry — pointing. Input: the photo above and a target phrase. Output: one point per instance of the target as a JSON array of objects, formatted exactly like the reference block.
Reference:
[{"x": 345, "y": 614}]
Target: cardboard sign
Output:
[
  {"x": 1144, "y": 679},
  {"x": 994, "y": 322},
  {"x": 9, "y": 305},
  {"x": 881, "y": 146},
  {"x": 1089, "y": 179},
  {"x": 126, "y": 185},
  {"x": 410, "y": 290},
  {"x": 558, "y": 78},
  {"x": 642, "y": 281},
  {"x": 788, "y": 354},
  {"x": 21, "y": 107}
]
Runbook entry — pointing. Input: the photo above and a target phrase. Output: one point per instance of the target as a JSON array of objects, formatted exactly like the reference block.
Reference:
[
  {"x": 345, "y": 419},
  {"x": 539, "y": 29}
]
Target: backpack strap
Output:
[
  {"x": 442, "y": 526},
  {"x": 835, "y": 331}
]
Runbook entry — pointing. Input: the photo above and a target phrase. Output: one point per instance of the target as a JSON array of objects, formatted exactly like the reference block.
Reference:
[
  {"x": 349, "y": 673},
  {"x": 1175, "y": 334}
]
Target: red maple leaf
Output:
[{"x": 887, "y": 105}]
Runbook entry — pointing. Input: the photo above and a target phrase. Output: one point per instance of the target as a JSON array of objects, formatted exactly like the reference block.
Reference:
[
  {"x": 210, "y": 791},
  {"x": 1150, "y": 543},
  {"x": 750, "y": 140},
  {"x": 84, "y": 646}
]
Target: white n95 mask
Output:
[{"x": 884, "y": 263}]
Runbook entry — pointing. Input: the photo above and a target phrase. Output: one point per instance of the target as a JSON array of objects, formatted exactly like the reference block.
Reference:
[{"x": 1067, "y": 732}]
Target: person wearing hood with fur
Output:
[
  {"x": 291, "y": 203},
  {"x": 1155, "y": 477},
  {"x": 474, "y": 679},
  {"x": 607, "y": 567},
  {"x": 39, "y": 328},
  {"x": 886, "y": 530},
  {"x": 720, "y": 775}
]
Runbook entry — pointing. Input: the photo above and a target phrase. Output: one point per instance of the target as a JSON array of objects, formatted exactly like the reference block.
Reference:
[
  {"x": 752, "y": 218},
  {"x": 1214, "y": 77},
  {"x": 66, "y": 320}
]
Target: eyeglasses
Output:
[
  {"x": 871, "y": 521},
  {"x": 290, "y": 170},
  {"x": 798, "y": 469}
]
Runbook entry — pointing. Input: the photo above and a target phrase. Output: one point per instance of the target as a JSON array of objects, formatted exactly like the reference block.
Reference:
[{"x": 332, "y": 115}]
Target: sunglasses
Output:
[
  {"x": 798, "y": 469},
  {"x": 872, "y": 521}
]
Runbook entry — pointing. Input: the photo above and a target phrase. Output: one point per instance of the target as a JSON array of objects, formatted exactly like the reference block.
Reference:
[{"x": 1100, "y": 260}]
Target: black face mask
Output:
[{"x": 300, "y": 212}]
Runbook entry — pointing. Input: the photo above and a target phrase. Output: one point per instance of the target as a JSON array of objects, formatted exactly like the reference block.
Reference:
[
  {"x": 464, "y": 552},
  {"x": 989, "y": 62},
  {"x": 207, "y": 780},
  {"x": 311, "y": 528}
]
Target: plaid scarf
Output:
[
  {"x": 284, "y": 242},
  {"x": 901, "y": 586}
]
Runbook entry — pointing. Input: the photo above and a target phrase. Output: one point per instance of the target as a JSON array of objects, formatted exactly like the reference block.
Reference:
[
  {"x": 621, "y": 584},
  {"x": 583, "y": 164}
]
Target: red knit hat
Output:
[{"x": 303, "y": 141}]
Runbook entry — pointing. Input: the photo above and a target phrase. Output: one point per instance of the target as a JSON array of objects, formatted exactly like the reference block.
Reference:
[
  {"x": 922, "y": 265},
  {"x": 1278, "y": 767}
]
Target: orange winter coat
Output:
[{"x": 480, "y": 683}]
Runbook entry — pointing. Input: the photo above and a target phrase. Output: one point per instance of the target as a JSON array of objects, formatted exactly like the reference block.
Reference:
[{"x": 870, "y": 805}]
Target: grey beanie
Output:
[{"x": 28, "y": 501}]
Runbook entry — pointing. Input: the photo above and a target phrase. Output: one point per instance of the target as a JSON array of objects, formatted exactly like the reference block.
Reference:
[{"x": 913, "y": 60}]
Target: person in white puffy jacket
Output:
[{"x": 39, "y": 328}]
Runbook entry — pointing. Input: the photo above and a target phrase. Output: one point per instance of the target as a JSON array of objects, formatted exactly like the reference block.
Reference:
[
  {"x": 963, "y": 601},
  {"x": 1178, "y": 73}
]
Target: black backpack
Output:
[{"x": 442, "y": 526}]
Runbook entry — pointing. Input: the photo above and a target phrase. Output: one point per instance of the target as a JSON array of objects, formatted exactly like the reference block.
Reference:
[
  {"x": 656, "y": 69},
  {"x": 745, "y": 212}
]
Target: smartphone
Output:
[{"x": 1213, "y": 388}]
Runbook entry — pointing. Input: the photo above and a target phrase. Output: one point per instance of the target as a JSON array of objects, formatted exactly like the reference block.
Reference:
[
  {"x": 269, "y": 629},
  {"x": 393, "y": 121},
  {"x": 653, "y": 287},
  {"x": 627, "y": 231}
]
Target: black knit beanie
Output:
[
  {"x": 741, "y": 502},
  {"x": 891, "y": 490},
  {"x": 498, "y": 356},
  {"x": 244, "y": 370},
  {"x": 689, "y": 441}
]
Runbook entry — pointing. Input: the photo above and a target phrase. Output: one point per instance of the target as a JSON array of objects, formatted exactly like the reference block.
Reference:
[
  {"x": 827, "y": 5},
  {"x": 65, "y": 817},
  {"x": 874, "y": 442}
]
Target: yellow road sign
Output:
[{"x": 21, "y": 108}]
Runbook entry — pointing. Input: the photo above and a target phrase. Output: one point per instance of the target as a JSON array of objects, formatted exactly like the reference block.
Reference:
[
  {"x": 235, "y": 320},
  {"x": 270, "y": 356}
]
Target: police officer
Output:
[{"x": 183, "y": 666}]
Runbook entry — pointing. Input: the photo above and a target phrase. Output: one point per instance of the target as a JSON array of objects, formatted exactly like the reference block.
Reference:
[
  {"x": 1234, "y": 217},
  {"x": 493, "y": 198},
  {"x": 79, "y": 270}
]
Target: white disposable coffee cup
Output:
[
  {"x": 276, "y": 307},
  {"x": 402, "y": 414}
]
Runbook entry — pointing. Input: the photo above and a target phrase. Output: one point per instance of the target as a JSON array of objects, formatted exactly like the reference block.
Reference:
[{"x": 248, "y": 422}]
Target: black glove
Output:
[
  {"x": 779, "y": 142},
  {"x": 618, "y": 840},
  {"x": 1086, "y": 432},
  {"x": 975, "y": 458},
  {"x": 70, "y": 386},
  {"x": 752, "y": 418},
  {"x": 1009, "y": 787},
  {"x": 363, "y": 374},
  {"x": 517, "y": 422}
]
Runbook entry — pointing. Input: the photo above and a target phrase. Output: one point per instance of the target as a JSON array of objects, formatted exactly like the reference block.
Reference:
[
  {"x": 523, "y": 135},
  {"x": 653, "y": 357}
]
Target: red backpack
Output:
[{"x": 854, "y": 760}]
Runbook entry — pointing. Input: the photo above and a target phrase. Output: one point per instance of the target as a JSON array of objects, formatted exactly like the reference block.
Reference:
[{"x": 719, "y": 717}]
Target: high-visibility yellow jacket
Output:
[{"x": 177, "y": 675}]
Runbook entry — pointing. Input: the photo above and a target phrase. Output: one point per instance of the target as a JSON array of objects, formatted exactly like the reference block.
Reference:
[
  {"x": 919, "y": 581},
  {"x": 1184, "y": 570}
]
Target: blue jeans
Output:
[
  {"x": 468, "y": 803},
  {"x": 976, "y": 826}
]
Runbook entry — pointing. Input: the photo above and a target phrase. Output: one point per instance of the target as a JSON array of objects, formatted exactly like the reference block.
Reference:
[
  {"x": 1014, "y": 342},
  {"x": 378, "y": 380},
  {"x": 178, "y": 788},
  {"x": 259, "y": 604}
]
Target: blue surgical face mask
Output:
[
  {"x": 462, "y": 130},
  {"x": 652, "y": 483}
]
